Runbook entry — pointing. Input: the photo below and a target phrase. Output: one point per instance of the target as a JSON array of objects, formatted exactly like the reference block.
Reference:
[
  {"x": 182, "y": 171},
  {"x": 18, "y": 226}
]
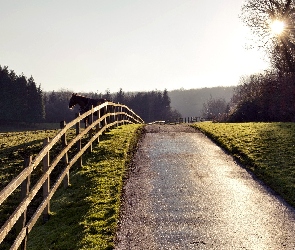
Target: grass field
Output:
[
  {"x": 85, "y": 215},
  {"x": 21, "y": 126},
  {"x": 15, "y": 146},
  {"x": 267, "y": 149}
]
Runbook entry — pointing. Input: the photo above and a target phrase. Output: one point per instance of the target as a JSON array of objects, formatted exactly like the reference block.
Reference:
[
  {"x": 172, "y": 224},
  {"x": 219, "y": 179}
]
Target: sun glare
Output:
[{"x": 277, "y": 27}]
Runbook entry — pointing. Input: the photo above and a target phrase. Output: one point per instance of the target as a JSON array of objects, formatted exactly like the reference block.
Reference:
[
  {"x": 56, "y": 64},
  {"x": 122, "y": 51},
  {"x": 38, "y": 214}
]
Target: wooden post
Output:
[
  {"x": 122, "y": 116},
  {"x": 98, "y": 125},
  {"x": 46, "y": 185},
  {"x": 106, "y": 122},
  {"x": 112, "y": 116},
  {"x": 66, "y": 180},
  {"x": 79, "y": 146},
  {"x": 25, "y": 189},
  {"x": 126, "y": 115},
  {"x": 101, "y": 113},
  {"x": 110, "y": 111},
  {"x": 108, "y": 118},
  {"x": 90, "y": 131},
  {"x": 117, "y": 116}
]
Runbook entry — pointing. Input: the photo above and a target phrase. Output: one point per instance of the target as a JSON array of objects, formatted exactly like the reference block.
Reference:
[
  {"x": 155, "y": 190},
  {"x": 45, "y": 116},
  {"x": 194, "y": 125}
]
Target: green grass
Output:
[
  {"x": 15, "y": 146},
  {"x": 267, "y": 149},
  {"x": 85, "y": 215},
  {"x": 22, "y": 126}
]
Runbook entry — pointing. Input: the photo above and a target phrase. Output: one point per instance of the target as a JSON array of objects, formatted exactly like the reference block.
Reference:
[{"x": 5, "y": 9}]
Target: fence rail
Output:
[{"x": 108, "y": 115}]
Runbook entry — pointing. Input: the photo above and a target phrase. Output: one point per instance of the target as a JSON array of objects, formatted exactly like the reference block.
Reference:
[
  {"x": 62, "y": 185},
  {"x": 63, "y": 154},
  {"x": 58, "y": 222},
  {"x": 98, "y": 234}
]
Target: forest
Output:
[
  {"x": 260, "y": 97},
  {"x": 22, "y": 101},
  {"x": 150, "y": 106}
]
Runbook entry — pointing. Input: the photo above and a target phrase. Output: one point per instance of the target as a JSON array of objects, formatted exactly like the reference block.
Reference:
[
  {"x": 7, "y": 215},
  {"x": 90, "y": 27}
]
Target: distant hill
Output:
[{"x": 190, "y": 102}]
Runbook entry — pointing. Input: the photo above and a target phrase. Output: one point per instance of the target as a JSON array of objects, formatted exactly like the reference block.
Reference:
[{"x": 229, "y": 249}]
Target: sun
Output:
[{"x": 277, "y": 27}]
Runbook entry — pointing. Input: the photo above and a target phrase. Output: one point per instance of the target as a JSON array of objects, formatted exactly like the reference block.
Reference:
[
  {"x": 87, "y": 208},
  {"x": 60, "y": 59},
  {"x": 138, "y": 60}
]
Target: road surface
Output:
[{"x": 184, "y": 192}]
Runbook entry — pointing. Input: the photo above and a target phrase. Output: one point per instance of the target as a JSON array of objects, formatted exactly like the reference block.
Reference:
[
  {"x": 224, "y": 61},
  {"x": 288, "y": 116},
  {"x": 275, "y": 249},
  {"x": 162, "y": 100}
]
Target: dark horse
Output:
[{"x": 84, "y": 103}]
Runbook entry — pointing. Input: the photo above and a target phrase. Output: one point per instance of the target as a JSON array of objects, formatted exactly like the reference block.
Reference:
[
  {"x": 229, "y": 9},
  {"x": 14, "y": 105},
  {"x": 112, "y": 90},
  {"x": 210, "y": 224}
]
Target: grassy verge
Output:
[
  {"x": 267, "y": 149},
  {"x": 85, "y": 215}
]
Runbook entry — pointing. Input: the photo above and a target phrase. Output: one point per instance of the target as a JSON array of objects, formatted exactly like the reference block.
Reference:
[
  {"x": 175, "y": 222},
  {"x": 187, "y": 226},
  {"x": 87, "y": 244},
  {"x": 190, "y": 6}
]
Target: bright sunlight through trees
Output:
[{"x": 277, "y": 27}]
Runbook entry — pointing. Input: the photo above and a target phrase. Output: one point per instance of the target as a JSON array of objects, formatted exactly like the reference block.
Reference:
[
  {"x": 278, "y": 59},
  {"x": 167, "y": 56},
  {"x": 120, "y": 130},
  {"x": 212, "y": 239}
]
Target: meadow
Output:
[
  {"x": 85, "y": 215},
  {"x": 266, "y": 149}
]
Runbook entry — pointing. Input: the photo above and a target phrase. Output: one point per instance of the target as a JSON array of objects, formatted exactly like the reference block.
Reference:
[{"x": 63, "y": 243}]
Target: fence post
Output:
[
  {"x": 102, "y": 113},
  {"x": 107, "y": 119},
  {"x": 121, "y": 116},
  {"x": 109, "y": 116},
  {"x": 97, "y": 126},
  {"x": 117, "y": 116},
  {"x": 46, "y": 185},
  {"x": 25, "y": 188},
  {"x": 66, "y": 180},
  {"x": 126, "y": 115},
  {"x": 79, "y": 146},
  {"x": 90, "y": 131},
  {"x": 113, "y": 116}
]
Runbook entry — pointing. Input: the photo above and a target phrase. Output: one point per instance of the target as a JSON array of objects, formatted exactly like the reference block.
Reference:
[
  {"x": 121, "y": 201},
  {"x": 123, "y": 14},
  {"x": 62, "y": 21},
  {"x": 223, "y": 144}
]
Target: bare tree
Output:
[
  {"x": 259, "y": 15},
  {"x": 214, "y": 108}
]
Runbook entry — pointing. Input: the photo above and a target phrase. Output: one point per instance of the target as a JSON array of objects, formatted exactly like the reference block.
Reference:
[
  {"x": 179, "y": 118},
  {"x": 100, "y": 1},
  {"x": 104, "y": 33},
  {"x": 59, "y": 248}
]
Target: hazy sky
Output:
[{"x": 136, "y": 45}]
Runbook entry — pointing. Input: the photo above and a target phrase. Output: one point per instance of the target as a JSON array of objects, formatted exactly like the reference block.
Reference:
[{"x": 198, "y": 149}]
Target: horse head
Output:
[
  {"x": 78, "y": 99},
  {"x": 73, "y": 101}
]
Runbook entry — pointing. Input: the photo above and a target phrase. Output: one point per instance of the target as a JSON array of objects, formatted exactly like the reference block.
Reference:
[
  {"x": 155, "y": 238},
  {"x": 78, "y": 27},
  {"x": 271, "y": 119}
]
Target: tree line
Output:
[
  {"x": 20, "y": 98},
  {"x": 150, "y": 106},
  {"x": 22, "y": 101}
]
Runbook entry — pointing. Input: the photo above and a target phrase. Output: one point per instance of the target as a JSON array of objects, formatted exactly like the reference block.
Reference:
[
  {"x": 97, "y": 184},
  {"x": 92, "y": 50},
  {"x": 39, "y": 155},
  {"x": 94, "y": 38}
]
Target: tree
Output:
[
  {"x": 108, "y": 95},
  {"x": 214, "y": 108},
  {"x": 120, "y": 97},
  {"x": 57, "y": 106},
  {"x": 21, "y": 102},
  {"x": 263, "y": 97},
  {"x": 166, "y": 109},
  {"x": 36, "y": 109},
  {"x": 20, "y": 99},
  {"x": 260, "y": 15}
]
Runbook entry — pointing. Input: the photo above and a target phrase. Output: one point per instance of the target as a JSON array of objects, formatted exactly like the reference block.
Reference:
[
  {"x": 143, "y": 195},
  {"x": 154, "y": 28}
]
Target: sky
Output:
[{"x": 136, "y": 45}]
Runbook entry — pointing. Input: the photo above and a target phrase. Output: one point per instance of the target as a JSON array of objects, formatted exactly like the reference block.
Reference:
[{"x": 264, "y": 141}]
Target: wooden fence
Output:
[
  {"x": 108, "y": 116},
  {"x": 183, "y": 120}
]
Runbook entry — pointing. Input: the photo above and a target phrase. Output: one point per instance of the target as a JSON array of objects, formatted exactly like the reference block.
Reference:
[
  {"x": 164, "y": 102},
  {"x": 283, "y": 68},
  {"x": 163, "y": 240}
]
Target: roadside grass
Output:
[
  {"x": 85, "y": 215},
  {"x": 267, "y": 149}
]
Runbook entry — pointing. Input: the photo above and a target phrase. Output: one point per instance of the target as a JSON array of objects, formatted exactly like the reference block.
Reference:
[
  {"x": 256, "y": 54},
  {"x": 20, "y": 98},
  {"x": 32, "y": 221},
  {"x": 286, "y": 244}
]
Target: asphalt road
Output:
[{"x": 184, "y": 192}]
